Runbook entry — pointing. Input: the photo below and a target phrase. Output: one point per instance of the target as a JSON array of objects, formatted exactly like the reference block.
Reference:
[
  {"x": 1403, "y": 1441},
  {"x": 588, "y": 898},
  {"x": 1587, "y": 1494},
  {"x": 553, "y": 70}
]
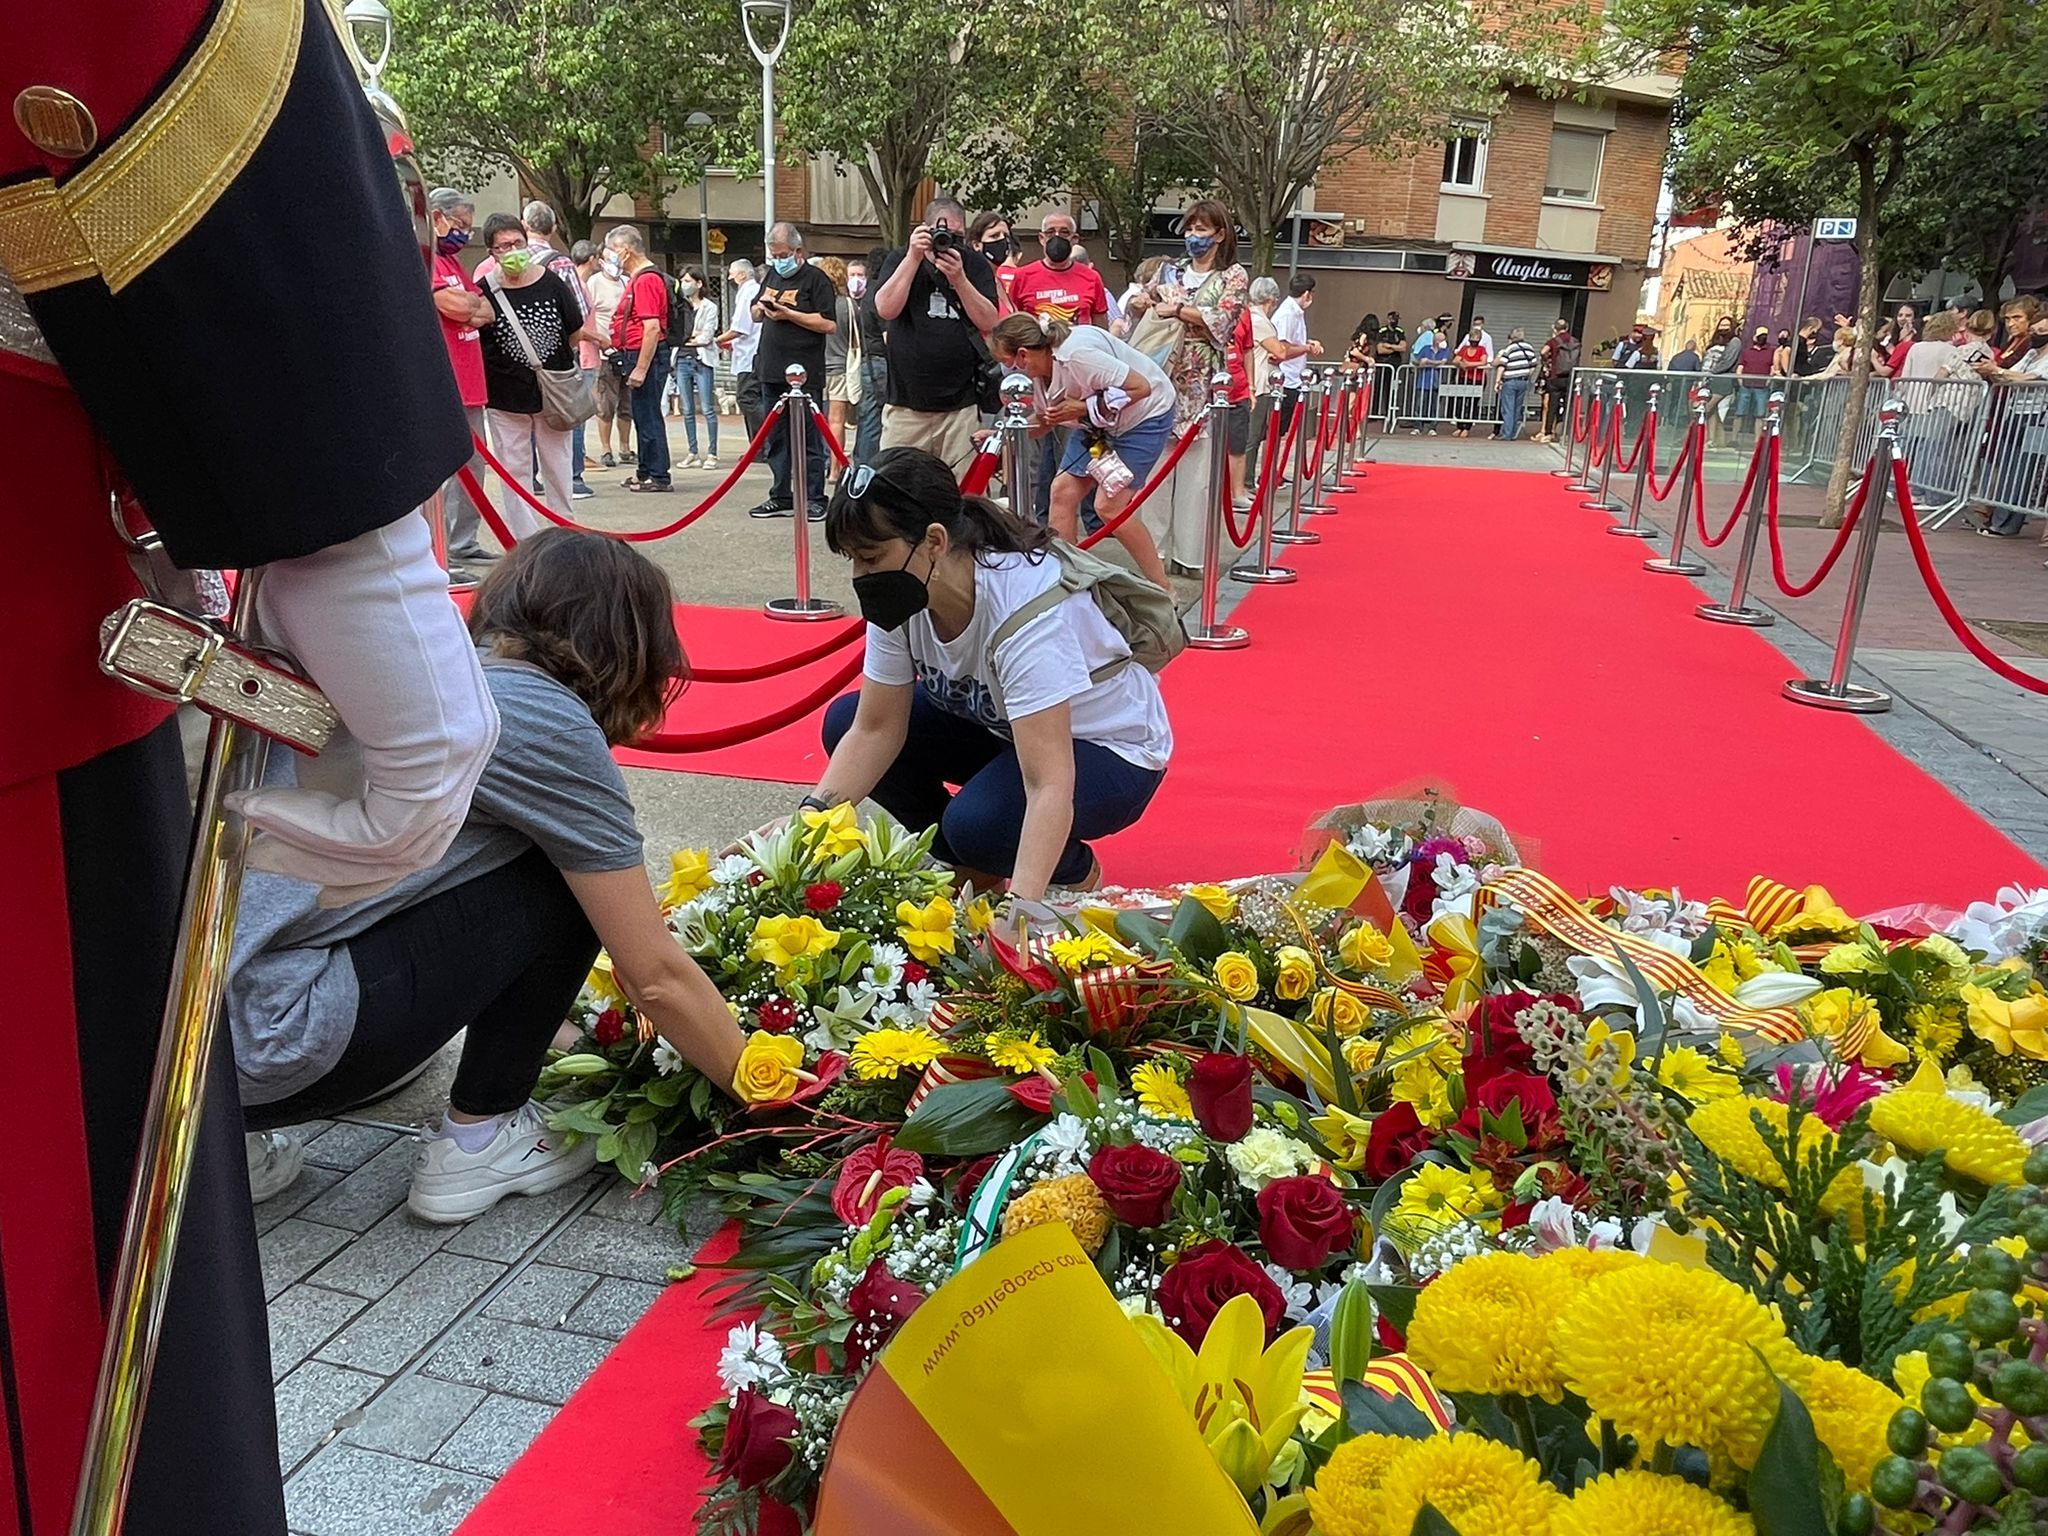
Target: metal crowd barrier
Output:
[
  {"x": 2011, "y": 471},
  {"x": 1438, "y": 398}
]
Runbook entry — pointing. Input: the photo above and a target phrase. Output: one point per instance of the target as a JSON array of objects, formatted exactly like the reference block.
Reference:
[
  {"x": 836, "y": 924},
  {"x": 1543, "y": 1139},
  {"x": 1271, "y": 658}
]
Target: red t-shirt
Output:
[
  {"x": 465, "y": 352},
  {"x": 1235, "y": 354},
  {"x": 1471, "y": 360},
  {"x": 646, "y": 298},
  {"x": 1075, "y": 294}
]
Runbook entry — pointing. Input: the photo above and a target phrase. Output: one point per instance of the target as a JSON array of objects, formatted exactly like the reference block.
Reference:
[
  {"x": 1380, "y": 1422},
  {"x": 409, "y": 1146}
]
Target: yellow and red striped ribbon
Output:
[{"x": 1391, "y": 1376}]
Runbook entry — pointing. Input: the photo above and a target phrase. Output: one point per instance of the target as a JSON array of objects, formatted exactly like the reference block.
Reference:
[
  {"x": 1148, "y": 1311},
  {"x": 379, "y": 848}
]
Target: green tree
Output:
[
  {"x": 1787, "y": 103},
  {"x": 1967, "y": 196},
  {"x": 576, "y": 94}
]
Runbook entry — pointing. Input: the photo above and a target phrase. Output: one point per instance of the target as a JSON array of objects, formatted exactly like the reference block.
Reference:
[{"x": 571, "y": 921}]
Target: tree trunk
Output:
[{"x": 1866, "y": 324}]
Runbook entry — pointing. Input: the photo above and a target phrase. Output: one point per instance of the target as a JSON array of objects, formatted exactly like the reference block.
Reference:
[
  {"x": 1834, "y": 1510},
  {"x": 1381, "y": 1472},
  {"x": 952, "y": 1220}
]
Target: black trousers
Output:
[{"x": 502, "y": 956}]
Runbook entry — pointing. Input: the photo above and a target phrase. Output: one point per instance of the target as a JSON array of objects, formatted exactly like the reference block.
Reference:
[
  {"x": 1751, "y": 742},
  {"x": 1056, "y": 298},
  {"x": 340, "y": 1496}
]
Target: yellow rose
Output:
[
  {"x": 769, "y": 1068},
  {"x": 782, "y": 941},
  {"x": 1237, "y": 976},
  {"x": 1365, "y": 948},
  {"x": 1839, "y": 1013},
  {"x": 1295, "y": 973},
  {"x": 926, "y": 930},
  {"x": 831, "y": 833},
  {"x": 2021, "y": 1023},
  {"x": 1221, "y": 904},
  {"x": 1347, "y": 1013},
  {"x": 689, "y": 876}
]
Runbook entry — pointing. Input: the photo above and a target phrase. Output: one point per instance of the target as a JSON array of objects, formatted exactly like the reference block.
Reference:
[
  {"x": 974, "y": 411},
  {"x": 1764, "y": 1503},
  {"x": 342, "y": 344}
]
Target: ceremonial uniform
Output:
[{"x": 192, "y": 196}]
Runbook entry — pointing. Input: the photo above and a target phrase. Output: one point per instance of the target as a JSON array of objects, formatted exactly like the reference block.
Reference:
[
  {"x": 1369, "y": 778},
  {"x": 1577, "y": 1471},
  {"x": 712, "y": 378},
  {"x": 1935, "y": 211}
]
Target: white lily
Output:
[{"x": 837, "y": 1025}]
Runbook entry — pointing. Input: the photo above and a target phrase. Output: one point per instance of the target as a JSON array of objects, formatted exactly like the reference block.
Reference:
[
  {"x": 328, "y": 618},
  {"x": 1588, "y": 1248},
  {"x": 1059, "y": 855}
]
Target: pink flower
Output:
[{"x": 1834, "y": 1097}]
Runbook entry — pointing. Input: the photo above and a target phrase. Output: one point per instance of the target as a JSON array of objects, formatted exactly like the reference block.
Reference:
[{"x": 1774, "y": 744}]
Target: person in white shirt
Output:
[
  {"x": 1053, "y": 734},
  {"x": 743, "y": 335},
  {"x": 1485, "y": 336},
  {"x": 1290, "y": 325},
  {"x": 606, "y": 284},
  {"x": 1122, "y": 402}
]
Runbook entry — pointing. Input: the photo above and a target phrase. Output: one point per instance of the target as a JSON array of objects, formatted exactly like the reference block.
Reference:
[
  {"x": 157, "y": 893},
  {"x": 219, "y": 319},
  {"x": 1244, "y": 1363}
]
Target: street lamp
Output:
[
  {"x": 702, "y": 120},
  {"x": 369, "y": 22},
  {"x": 767, "y": 50}
]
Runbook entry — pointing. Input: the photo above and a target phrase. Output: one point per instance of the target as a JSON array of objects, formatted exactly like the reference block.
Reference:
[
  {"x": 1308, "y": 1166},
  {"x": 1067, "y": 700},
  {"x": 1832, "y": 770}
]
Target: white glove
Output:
[{"x": 371, "y": 623}]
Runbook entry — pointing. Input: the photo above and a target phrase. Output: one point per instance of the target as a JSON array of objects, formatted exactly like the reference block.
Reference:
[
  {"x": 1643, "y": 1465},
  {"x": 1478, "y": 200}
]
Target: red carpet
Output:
[{"x": 1477, "y": 630}]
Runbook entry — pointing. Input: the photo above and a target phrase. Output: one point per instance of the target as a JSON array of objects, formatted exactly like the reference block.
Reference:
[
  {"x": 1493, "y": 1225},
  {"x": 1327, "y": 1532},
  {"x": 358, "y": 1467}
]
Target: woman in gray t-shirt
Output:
[{"x": 331, "y": 1006}]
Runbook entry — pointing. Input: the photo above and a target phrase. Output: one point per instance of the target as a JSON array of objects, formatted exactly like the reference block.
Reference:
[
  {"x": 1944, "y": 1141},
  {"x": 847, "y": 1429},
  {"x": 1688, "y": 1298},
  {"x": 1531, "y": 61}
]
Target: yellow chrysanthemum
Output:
[
  {"x": 1435, "y": 1198},
  {"x": 783, "y": 941},
  {"x": 1237, "y": 974},
  {"x": 1365, "y": 948},
  {"x": 1728, "y": 1128},
  {"x": 1949, "y": 953},
  {"x": 689, "y": 876},
  {"x": 1419, "y": 1083},
  {"x": 1676, "y": 1354},
  {"x": 1020, "y": 1053},
  {"x": 1975, "y": 1144},
  {"x": 1160, "y": 1092},
  {"x": 1640, "y": 1503},
  {"x": 927, "y": 931},
  {"x": 1086, "y": 950},
  {"x": 1345, "y": 1497},
  {"x": 1936, "y": 1030},
  {"x": 1294, "y": 973},
  {"x": 1475, "y": 1483},
  {"x": 1074, "y": 1200},
  {"x": 1686, "y": 1072},
  {"x": 1819, "y": 917},
  {"x": 1850, "y": 1411},
  {"x": 884, "y": 1053},
  {"x": 1480, "y": 1326},
  {"x": 1857, "y": 959},
  {"x": 1221, "y": 904},
  {"x": 1582, "y": 1266},
  {"x": 831, "y": 833}
]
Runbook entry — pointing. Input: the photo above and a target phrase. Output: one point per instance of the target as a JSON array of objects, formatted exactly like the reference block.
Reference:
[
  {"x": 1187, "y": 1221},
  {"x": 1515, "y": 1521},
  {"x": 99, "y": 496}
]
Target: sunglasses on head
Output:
[{"x": 856, "y": 484}]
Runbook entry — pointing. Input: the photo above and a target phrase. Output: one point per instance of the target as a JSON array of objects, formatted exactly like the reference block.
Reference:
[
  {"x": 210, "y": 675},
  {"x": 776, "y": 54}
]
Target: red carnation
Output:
[
  {"x": 823, "y": 896},
  {"x": 757, "y": 1436},
  {"x": 1206, "y": 1276},
  {"x": 1398, "y": 1134},
  {"x": 880, "y": 1304},
  {"x": 1220, "y": 1089},
  {"x": 778, "y": 1015},
  {"x": 870, "y": 1173},
  {"x": 1035, "y": 1092},
  {"x": 1304, "y": 1222},
  {"x": 915, "y": 971},
  {"x": 610, "y": 1028},
  {"x": 1137, "y": 1183},
  {"x": 756, "y": 877}
]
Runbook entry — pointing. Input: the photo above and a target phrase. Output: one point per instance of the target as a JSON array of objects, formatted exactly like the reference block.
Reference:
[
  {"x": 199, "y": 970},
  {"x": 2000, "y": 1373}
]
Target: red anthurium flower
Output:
[{"x": 870, "y": 1173}]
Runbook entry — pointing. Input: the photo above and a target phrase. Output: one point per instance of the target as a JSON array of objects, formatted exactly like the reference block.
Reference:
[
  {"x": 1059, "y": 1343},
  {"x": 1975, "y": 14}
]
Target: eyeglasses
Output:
[{"x": 857, "y": 483}]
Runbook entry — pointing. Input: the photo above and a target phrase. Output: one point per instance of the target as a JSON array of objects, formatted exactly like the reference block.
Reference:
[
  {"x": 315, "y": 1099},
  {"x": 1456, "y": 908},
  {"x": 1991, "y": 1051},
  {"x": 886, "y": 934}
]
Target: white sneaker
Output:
[
  {"x": 524, "y": 1158},
  {"x": 276, "y": 1158},
  {"x": 709, "y": 461}
]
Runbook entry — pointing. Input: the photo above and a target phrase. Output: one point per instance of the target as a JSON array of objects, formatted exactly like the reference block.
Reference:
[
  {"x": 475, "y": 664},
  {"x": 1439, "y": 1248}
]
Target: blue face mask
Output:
[
  {"x": 1201, "y": 245},
  {"x": 452, "y": 242},
  {"x": 785, "y": 266}
]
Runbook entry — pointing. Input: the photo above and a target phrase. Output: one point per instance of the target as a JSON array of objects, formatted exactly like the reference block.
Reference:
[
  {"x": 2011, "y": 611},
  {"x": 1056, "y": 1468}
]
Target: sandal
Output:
[{"x": 635, "y": 483}]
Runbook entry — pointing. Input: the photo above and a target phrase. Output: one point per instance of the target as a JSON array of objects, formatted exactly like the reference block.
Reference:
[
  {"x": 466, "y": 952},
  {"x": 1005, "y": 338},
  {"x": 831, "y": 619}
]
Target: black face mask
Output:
[
  {"x": 1058, "y": 248},
  {"x": 2037, "y": 339},
  {"x": 996, "y": 250},
  {"x": 891, "y": 599}
]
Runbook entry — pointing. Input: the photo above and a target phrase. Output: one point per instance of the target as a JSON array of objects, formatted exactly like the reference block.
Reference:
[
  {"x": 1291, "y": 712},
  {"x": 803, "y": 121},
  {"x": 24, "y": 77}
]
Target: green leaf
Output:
[
  {"x": 2031, "y": 1105},
  {"x": 1368, "y": 1413},
  {"x": 1785, "y": 1484},
  {"x": 1196, "y": 933},
  {"x": 1396, "y": 1304},
  {"x": 1430, "y": 1522},
  {"x": 1650, "y": 1010},
  {"x": 1142, "y": 932},
  {"x": 966, "y": 1120}
]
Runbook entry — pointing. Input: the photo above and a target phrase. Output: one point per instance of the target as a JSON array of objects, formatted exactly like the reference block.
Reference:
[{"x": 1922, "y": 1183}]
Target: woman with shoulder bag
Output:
[{"x": 537, "y": 328}]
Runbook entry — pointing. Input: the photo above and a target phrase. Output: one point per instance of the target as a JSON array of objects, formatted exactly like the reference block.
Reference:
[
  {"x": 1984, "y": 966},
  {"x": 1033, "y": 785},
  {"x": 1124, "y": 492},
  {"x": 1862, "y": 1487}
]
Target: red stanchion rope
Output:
[
  {"x": 644, "y": 536},
  {"x": 1580, "y": 425},
  {"x": 681, "y": 743},
  {"x": 1597, "y": 435},
  {"x": 766, "y": 669},
  {"x": 1688, "y": 454},
  {"x": 1801, "y": 589},
  {"x": 1955, "y": 621},
  {"x": 825, "y": 431},
  {"x": 1767, "y": 446},
  {"x": 980, "y": 472},
  {"x": 488, "y": 512},
  {"x": 1263, "y": 495},
  {"x": 1159, "y": 476},
  {"x": 1646, "y": 431},
  {"x": 1332, "y": 427}
]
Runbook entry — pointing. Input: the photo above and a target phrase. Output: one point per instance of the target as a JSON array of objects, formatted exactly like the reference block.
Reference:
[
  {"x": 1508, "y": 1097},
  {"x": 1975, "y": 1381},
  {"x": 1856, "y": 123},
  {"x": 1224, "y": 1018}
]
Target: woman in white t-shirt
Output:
[
  {"x": 1054, "y": 736},
  {"x": 1119, "y": 400}
]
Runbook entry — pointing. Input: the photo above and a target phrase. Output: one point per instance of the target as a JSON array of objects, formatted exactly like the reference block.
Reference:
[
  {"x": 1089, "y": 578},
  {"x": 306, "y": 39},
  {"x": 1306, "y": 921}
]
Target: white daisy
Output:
[
  {"x": 1067, "y": 1137},
  {"x": 1297, "y": 1295},
  {"x": 667, "y": 1059},
  {"x": 752, "y": 1357},
  {"x": 920, "y": 997}
]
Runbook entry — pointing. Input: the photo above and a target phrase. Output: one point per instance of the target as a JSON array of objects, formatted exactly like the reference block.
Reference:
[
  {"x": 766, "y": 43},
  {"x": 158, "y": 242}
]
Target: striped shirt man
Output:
[{"x": 1516, "y": 360}]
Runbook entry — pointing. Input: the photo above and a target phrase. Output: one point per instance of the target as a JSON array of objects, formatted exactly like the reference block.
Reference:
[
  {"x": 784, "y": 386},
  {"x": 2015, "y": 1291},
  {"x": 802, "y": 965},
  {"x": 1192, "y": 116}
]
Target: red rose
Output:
[
  {"x": 970, "y": 1178},
  {"x": 1207, "y": 1275},
  {"x": 1493, "y": 1026},
  {"x": 1499, "y": 1090},
  {"x": 915, "y": 971},
  {"x": 870, "y": 1173},
  {"x": 1137, "y": 1183},
  {"x": 610, "y": 1027},
  {"x": 1304, "y": 1222},
  {"x": 1220, "y": 1089},
  {"x": 823, "y": 896},
  {"x": 880, "y": 1303},
  {"x": 778, "y": 1015},
  {"x": 1035, "y": 1092},
  {"x": 757, "y": 1439},
  {"x": 1397, "y": 1135}
]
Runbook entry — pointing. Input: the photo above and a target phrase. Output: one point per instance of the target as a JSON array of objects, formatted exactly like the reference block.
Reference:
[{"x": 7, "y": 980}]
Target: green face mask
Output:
[{"x": 515, "y": 263}]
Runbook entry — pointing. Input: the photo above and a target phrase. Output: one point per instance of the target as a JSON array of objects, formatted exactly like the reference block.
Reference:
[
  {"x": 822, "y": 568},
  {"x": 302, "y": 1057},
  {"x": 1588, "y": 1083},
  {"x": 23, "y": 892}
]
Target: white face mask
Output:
[{"x": 856, "y": 285}]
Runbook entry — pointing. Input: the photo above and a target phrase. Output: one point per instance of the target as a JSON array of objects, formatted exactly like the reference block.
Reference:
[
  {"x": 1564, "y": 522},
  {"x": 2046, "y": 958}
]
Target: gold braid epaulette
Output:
[{"x": 148, "y": 188}]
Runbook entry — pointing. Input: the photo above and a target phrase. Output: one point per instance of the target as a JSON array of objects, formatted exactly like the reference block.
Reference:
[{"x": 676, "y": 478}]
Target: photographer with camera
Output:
[{"x": 937, "y": 296}]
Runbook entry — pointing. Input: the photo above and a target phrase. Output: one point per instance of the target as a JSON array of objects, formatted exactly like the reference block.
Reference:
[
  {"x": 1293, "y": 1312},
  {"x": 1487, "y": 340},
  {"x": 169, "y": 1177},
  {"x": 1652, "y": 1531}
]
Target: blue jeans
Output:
[
  {"x": 1514, "y": 405},
  {"x": 874, "y": 385},
  {"x": 980, "y": 823},
  {"x": 650, "y": 432},
  {"x": 778, "y": 450},
  {"x": 576, "y": 441},
  {"x": 696, "y": 384}
]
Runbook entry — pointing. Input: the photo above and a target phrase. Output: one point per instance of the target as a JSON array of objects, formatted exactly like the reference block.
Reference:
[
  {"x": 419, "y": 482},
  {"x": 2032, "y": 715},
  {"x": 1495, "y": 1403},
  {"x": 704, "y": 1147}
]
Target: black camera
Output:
[{"x": 946, "y": 238}]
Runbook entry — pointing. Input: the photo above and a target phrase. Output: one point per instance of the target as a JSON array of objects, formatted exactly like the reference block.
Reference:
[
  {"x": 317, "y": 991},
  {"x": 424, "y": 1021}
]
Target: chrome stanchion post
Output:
[
  {"x": 1320, "y": 479},
  {"x": 1838, "y": 692},
  {"x": 1596, "y": 438},
  {"x": 796, "y": 425},
  {"x": 1571, "y": 441},
  {"x": 1308, "y": 422},
  {"x": 1737, "y": 610},
  {"x": 1616, "y": 425},
  {"x": 1675, "y": 564},
  {"x": 1645, "y": 452},
  {"x": 1333, "y": 476},
  {"x": 1208, "y": 635},
  {"x": 1354, "y": 460},
  {"x": 1019, "y": 462},
  {"x": 1264, "y": 499}
]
